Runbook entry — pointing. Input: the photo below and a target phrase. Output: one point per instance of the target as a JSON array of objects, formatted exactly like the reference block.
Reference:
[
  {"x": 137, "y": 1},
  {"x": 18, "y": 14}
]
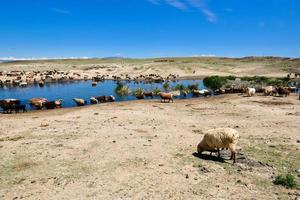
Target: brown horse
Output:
[{"x": 166, "y": 96}]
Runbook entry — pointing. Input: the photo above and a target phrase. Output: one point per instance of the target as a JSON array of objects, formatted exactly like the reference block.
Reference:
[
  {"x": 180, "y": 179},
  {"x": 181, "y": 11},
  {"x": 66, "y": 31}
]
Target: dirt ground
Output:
[
  {"x": 147, "y": 150},
  {"x": 184, "y": 67}
]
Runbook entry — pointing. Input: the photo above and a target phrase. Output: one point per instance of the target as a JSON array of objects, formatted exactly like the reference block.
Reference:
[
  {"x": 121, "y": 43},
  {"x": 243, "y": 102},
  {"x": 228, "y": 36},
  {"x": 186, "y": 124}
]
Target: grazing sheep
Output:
[
  {"x": 269, "y": 90},
  {"x": 219, "y": 138},
  {"x": 79, "y": 102},
  {"x": 250, "y": 92}
]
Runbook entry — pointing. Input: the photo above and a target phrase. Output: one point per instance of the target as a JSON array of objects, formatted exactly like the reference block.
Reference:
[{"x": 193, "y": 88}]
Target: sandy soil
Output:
[
  {"x": 144, "y": 150},
  {"x": 184, "y": 67}
]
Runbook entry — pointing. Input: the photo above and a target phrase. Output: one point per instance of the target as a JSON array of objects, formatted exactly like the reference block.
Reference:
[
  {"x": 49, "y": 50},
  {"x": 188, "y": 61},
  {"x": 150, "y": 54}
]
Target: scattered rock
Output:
[
  {"x": 187, "y": 176},
  {"x": 114, "y": 141}
]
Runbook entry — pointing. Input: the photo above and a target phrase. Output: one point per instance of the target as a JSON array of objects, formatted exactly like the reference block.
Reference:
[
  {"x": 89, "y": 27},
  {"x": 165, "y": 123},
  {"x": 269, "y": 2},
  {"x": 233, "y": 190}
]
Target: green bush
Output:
[
  {"x": 121, "y": 89},
  {"x": 180, "y": 87},
  {"x": 287, "y": 181},
  {"x": 166, "y": 86},
  {"x": 138, "y": 92},
  {"x": 156, "y": 91},
  {"x": 193, "y": 86},
  {"x": 216, "y": 82}
]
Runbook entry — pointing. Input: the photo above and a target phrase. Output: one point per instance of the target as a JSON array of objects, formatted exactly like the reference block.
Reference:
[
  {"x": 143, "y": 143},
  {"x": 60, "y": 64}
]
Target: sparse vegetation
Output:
[
  {"x": 216, "y": 82},
  {"x": 121, "y": 89},
  {"x": 156, "y": 91},
  {"x": 166, "y": 86},
  {"x": 138, "y": 92},
  {"x": 287, "y": 181},
  {"x": 193, "y": 86}
]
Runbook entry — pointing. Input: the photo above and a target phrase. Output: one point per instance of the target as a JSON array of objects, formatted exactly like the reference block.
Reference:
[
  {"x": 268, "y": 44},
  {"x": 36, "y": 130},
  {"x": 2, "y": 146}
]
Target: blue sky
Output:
[{"x": 149, "y": 28}]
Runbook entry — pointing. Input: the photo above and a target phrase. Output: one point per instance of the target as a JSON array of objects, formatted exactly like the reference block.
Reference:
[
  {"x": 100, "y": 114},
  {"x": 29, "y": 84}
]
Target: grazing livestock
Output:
[
  {"x": 140, "y": 96},
  {"x": 203, "y": 92},
  {"x": 104, "y": 99},
  {"x": 269, "y": 90},
  {"x": 20, "y": 107},
  {"x": 250, "y": 91},
  {"x": 37, "y": 103},
  {"x": 9, "y": 105},
  {"x": 93, "y": 100},
  {"x": 282, "y": 91},
  {"x": 79, "y": 102},
  {"x": 149, "y": 94},
  {"x": 52, "y": 104},
  {"x": 219, "y": 138},
  {"x": 166, "y": 96}
]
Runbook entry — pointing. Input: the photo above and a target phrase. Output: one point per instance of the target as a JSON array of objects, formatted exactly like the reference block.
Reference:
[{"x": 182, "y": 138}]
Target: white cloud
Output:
[
  {"x": 177, "y": 4},
  {"x": 40, "y": 58},
  {"x": 202, "y": 6},
  {"x": 204, "y": 55},
  {"x": 60, "y": 11},
  {"x": 184, "y": 5}
]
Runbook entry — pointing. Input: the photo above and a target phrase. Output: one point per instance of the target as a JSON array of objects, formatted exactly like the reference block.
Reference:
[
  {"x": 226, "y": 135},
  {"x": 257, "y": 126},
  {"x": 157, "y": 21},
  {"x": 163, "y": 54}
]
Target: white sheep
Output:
[
  {"x": 250, "y": 91},
  {"x": 219, "y": 138}
]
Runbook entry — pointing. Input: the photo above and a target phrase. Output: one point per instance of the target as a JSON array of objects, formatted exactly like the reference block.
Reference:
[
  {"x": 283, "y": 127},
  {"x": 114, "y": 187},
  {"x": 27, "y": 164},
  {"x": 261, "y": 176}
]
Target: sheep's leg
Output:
[{"x": 234, "y": 157}]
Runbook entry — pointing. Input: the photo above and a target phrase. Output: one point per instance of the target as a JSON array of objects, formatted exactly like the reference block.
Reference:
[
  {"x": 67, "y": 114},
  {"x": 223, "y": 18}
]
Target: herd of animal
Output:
[
  {"x": 268, "y": 90},
  {"x": 24, "y": 78}
]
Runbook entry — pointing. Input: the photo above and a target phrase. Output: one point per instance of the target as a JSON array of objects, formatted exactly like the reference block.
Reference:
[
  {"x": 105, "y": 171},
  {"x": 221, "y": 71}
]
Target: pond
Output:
[{"x": 83, "y": 89}]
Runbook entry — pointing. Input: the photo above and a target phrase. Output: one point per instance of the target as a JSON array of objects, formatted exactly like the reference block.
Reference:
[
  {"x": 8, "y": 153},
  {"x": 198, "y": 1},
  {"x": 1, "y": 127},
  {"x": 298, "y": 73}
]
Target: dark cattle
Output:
[
  {"x": 49, "y": 105},
  {"x": 9, "y": 105},
  {"x": 282, "y": 91},
  {"x": 140, "y": 96},
  {"x": 20, "y": 107},
  {"x": 149, "y": 94},
  {"x": 103, "y": 99}
]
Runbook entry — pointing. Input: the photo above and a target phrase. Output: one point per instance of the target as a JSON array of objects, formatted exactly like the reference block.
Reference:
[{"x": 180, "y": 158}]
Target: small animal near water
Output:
[
  {"x": 149, "y": 94},
  {"x": 166, "y": 96},
  {"x": 53, "y": 104},
  {"x": 9, "y": 105},
  {"x": 37, "y": 103},
  {"x": 104, "y": 99},
  {"x": 215, "y": 139},
  {"x": 79, "y": 102},
  {"x": 93, "y": 100}
]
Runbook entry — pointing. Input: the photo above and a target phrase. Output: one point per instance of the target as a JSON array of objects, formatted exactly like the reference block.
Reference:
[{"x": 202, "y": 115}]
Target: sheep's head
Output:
[{"x": 199, "y": 149}]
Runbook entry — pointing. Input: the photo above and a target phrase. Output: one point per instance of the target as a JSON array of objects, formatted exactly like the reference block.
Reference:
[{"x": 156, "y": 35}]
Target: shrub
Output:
[
  {"x": 138, "y": 92},
  {"x": 166, "y": 86},
  {"x": 121, "y": 89},
  {"x": 156, "y": 91},
  {"x": 287, "y": 181},
  {"x": 180, "y": 87},
  {"x": 216, "y": 82},
  {"x": 193, "y": 86}
]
